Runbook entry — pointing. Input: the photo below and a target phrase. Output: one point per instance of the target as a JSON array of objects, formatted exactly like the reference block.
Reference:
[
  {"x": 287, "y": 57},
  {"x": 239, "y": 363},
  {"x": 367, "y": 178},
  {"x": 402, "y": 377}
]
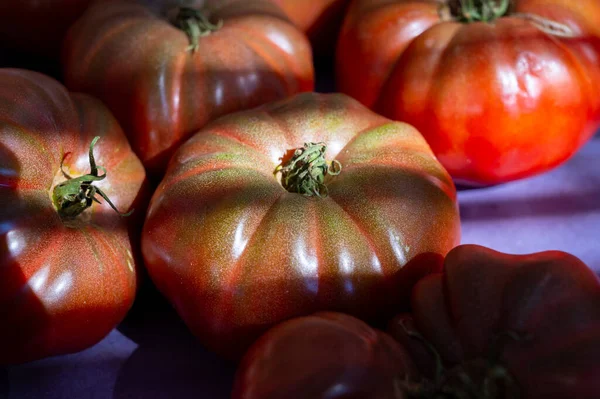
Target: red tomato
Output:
[
  {"x": 163, "y": 90},
  {"x": 320, "y": 19},
  {"x": 38, "y": 26},
  {"x": 531, "y": 320},
  {"x": 327, "y": 355},
  {"x": 491, "y": 325},
  {"x": 236, "y": 253},
  {"x": 496, "y": 100},
  {"x": 65, "y": 280}
]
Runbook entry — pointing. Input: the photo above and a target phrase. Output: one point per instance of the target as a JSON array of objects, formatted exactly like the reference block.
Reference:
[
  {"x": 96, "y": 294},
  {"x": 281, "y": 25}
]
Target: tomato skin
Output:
[
  {"x": 236, "y": 253},
  {"x": 325, "y": 355},
  {"x": 38, "y": 27},
  {"x": 63, "y": 286},
  {"x": 496, "y": 101},
  {"x": 547, "y": 300},
  {"x": 550, "y": 299},
  {"x": 320, "y": 20},
  {"x": 163, "y": 93}
]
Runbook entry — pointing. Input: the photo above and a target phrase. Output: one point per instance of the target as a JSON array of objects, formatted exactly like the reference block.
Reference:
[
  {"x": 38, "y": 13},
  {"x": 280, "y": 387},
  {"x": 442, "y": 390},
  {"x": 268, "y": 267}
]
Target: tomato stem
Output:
[
  {"x": 75, "y": 195},
  {"x": 305, "y": 171},
  {"x": 195, "y": 24}
]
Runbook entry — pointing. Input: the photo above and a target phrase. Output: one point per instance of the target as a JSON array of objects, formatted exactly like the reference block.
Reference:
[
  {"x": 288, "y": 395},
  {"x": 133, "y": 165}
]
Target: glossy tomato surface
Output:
[
  {"x": 531, "y": 319},
  {"x": 37, "y": 26},
  {"x": 236, "y": 253},
  {"x": 320, "y": 19},
  {"x": 133, "y": 58},
  {"x": 496, "y": 101},
  {"x": 64, "y": 284},
  {"x": 491, "y": 326},
  {"x": 323, "y": 356}
]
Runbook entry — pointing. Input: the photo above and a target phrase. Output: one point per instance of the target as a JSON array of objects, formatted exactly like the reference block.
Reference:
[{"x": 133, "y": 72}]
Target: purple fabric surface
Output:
[{"x": 152, "y": 355}]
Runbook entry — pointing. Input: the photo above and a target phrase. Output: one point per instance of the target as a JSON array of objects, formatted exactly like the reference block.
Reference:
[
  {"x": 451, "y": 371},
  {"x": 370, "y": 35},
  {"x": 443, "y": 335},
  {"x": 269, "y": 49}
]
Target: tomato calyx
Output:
[
  {"x": 75, "y": 195},
  {"x": 469, "y": 11},
  {"x": 195, "y": 24},
  {"x": 478, "y": 378},
  {"x": 478, "y": 10},
  {"x": 304, "y": 173}
]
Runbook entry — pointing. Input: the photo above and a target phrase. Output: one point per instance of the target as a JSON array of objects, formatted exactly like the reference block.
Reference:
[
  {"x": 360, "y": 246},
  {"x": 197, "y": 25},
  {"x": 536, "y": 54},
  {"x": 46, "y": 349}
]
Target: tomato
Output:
[
  {"x": 326, "y": 355},
  {"x": 497, "y": 100},
  {"x": 320, "y": 19},
  {"x": 491, "y": 325},
  {"x": 532, "y": 321},
  {"x": 67, "y": 268},
  {"x": 163, "y": 84},
  {"x": 38, "y": 27},
  {"x": 236, "y": 252}
]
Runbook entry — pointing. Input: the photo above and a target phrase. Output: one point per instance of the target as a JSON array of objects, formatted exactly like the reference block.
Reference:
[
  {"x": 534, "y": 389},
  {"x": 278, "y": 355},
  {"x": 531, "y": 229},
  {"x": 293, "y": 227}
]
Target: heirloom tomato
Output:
[
  {"x": 500, "y": 89},
  {"x": 166, "y": 70},
  {"x": 320, "y": 19},
  {"x": 307, "y": 204},
  {"x": 37, "y": 26},
  {"x": 506, "y": 326},
  {"x": 67, "y": 267},
  {"x": 323, "y": 356},
  {"x": 490, "y": 326}
]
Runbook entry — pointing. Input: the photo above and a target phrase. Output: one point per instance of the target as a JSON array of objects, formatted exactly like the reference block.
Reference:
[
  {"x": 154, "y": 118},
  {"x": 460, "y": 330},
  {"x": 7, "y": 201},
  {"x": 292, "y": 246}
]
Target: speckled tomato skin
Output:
[
  {"x": 133, "y": 59},
  {"x": 62, "y": 288},
  {"x": 549, "y": 299},
  {"x": 496, "y": 101},
  {"x": 236, "y": 253},
  {"x": 323, "y": 356}
]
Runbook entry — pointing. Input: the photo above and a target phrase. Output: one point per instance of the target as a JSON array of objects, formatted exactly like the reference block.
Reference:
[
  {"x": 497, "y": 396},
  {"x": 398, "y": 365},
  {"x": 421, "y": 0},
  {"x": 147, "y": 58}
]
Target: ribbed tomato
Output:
[
  {"x": 67, "y": 269},
  {"x": 500, "y": 89},
  {"x": 165, "y": 72},
  {"x": 236, "y": 252},
  {"x": 506, "y": 326},
  {"x": 323, "y": 356},
  {"x": 491, "y": 326},
  {"x": 320, "y": 19}
]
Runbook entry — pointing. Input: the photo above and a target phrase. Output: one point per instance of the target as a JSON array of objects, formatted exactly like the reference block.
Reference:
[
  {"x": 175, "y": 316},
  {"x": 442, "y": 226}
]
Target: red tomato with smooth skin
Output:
[
  {"x": 490, "y": 326},
  {"x": 132, "y": 56},
  {"x": 498, "y": 100},
  {"x": 65, "y": 281},
  {"x": 325, "y": 355},
  {"x": 320, "y": 19},
  {"x": 38, "y": 26},
  {"x": 236, "y": 252},
  {"x": 532, "y": 321}
]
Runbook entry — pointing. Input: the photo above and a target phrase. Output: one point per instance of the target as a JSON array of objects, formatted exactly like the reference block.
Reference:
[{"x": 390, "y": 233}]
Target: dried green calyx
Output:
[
  {"x": 195, "y": 24},
  {"x": 478, "y": 378},
  {"x": 304, "y": 173},
  {"x": 75, "y": 195},
  {"x": 478, "y": 10}
]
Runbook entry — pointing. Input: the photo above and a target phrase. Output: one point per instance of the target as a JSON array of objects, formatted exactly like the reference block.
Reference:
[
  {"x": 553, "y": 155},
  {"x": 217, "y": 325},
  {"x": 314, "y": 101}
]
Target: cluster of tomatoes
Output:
[{"x": 289, "y": 228}]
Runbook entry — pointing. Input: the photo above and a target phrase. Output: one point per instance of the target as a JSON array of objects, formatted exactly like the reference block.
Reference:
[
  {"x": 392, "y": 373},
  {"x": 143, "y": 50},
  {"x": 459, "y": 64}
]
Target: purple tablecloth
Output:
[{"x": 152, "y": 355}]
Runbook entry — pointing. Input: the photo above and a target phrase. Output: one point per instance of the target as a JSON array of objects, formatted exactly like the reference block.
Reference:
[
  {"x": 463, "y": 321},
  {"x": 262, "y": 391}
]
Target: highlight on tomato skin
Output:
[
  {"x": 489, "y": 326},
  {"x": 499, "y": 97},
  {"x": 68, "y": 240},
  {"x": 307, "y": 204},
  {"x": 325, "y": 355},
  {"x": 185, "y": 65}
]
